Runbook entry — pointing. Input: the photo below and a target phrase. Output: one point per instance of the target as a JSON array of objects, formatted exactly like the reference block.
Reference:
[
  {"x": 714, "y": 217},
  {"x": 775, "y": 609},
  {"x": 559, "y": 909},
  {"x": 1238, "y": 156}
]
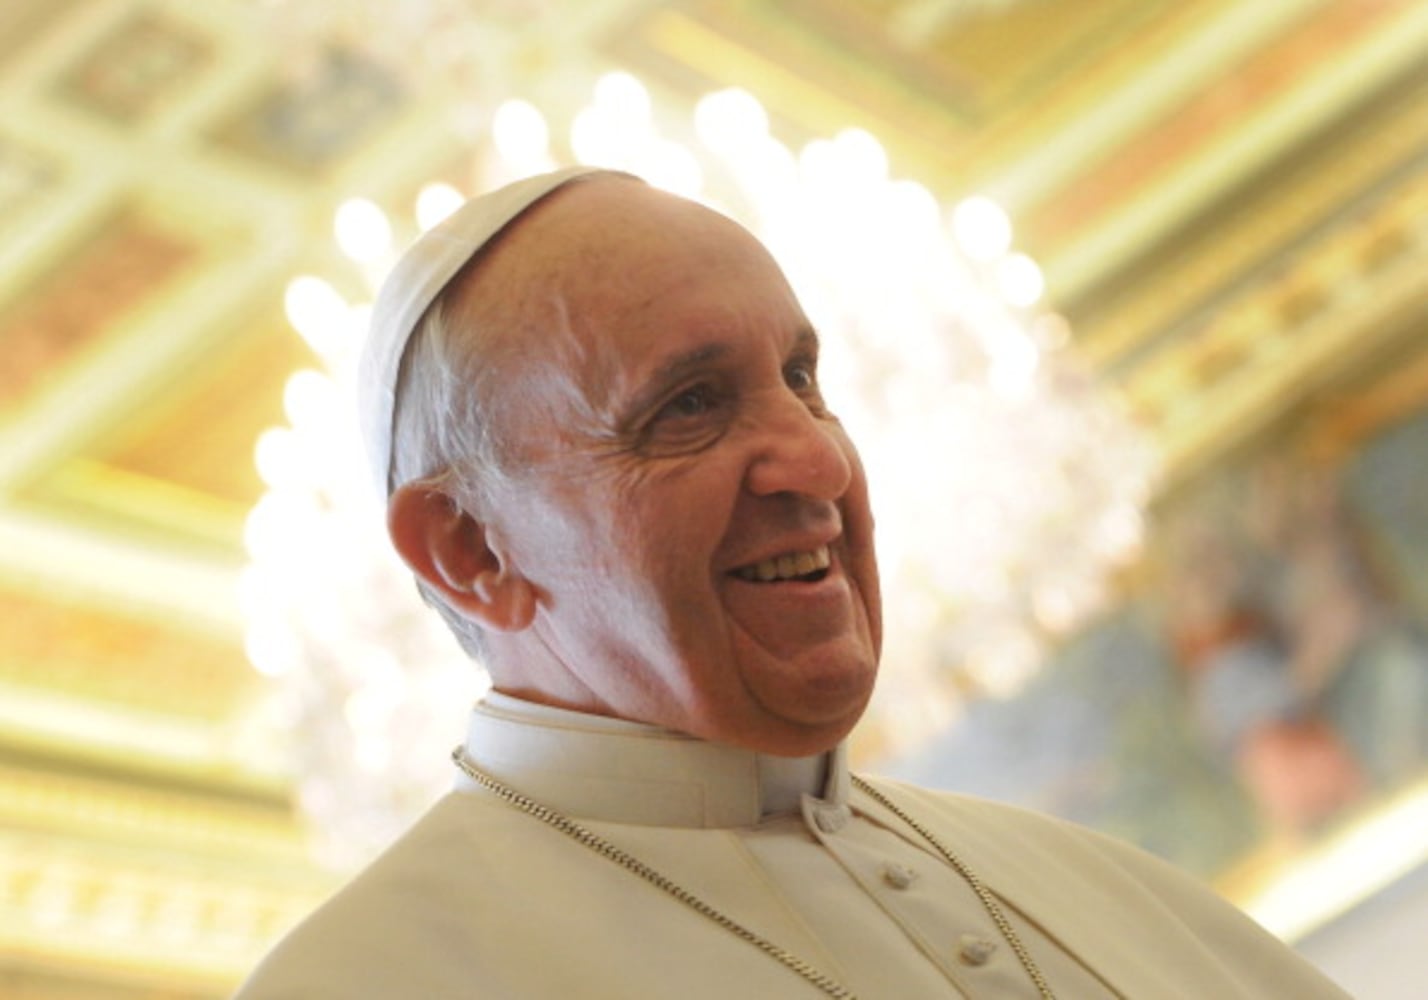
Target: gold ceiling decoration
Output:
[{"x": 1227, "y": 199}]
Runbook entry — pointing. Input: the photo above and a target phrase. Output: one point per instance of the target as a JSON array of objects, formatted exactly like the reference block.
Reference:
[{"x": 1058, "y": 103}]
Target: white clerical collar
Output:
[{"x": 596, "y": 767}]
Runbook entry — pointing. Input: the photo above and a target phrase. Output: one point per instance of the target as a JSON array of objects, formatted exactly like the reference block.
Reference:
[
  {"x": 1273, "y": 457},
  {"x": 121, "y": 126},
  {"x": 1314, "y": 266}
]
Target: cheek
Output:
[
  {"x": 686, "y": 501},
  {"x": 671, "y": 539},
  {"x": 548, "y": 540},
  {"x": 647, "y": 534},
  {"x": 605, "y": 547}
]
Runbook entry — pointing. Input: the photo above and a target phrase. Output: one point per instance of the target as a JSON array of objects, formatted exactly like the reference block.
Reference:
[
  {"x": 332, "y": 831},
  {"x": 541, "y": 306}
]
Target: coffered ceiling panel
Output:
[{"x": 1228, "y": 200}]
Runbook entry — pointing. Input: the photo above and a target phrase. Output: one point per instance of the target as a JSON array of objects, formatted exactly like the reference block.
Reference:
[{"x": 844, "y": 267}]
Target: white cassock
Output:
[{"x": 480, "y": 899}]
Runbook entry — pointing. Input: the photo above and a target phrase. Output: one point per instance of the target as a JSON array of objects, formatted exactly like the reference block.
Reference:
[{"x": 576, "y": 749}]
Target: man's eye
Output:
[
  {"x": 800, "y": 375},
  {"x": 692, "y": 402},
  {"x": 691, "y": 419}
]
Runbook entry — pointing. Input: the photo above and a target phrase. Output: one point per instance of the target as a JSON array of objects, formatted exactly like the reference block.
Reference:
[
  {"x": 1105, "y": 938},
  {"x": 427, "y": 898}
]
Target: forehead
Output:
[
  {"x": 608, "y": 274},
  {"x": 616, "y": 243}
]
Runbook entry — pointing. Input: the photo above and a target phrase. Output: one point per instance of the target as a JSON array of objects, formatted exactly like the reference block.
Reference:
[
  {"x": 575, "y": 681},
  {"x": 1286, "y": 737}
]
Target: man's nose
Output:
[{"x": 799, "y": 452}]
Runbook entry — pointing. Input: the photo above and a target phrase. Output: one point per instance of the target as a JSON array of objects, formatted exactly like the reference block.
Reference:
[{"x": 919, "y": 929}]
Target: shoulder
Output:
[
  {"x": 967, "y": 816},
  {"x": 1017, "y": 844},
  {"x": 1130, "y": 915},
  {"x": 1015, "y": 827},
  {"x": 392, "y": 919}
]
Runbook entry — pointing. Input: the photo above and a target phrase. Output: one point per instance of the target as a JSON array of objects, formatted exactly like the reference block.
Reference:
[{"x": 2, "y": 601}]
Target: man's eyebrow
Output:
[
  {"x": 671, "y": 370},
  {"x": 806, "y": 340}
]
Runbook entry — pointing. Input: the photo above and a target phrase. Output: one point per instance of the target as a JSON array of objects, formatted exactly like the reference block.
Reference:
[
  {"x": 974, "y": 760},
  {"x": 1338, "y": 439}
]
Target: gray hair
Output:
[
  {"x": 442, "y": 428},
  {"x": 425, "y": 271},
  {"x": 425, "y": 386}
]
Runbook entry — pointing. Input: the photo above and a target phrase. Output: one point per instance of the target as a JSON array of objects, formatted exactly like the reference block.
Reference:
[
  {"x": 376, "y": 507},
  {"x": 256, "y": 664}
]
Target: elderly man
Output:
[{"x": 595, "y": 408}]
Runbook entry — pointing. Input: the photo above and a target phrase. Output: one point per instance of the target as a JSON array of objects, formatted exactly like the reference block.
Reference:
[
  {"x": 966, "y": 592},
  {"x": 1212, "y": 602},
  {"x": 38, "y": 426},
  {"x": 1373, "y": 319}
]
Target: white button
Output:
[
  {"x": 898, "y": 876},
  {"x": 831, "y": 819},
  {"x": 975, "y": 949}
]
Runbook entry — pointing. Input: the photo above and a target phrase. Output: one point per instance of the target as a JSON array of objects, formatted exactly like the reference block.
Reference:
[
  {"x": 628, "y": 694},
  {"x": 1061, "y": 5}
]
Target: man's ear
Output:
[{"x": 448, "y": 548}]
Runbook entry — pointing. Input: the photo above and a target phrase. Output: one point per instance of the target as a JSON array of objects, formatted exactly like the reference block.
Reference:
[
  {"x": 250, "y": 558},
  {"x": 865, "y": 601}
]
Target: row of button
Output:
[{"x": 972, "y": 949}]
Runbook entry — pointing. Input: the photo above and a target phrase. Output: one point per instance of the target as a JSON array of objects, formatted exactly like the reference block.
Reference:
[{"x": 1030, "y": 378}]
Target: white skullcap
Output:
[{"x": 418, "y": 278}]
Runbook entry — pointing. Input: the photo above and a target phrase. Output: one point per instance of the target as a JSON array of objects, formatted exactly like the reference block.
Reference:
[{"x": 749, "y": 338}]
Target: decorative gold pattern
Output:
[{"x": 194, "y": 113}]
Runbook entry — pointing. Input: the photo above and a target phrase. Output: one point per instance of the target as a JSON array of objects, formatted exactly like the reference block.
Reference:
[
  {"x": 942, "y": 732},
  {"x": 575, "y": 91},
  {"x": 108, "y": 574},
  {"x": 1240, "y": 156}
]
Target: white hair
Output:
[
  {"x": 428, "y": 398},
  {"x": 442, "y": 429}
]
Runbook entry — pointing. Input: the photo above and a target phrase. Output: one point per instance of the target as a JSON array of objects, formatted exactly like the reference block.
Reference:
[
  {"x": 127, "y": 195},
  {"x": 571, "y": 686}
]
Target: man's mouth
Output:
[{"x": 807, "y": 566}]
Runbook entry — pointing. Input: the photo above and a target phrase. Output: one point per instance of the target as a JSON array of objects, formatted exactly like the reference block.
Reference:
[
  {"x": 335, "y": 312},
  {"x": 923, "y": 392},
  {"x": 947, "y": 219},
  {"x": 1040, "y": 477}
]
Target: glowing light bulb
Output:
[
  {"x": 863, "y": 159},
  {"x": 436, "y": 201},
  {"x": 520, "y": 132},
  {"x": 317, "y": 311},
  {"x": 623, "y": 98},
  {"x": 1020, "y": 281},
  {"x": 277, "y": 457},
  {"x": 668, "y": 165},
  {"x": 362, "y": 230},
  {"x": 981, "y": 228},
  {"x": 730, "y": 121}
]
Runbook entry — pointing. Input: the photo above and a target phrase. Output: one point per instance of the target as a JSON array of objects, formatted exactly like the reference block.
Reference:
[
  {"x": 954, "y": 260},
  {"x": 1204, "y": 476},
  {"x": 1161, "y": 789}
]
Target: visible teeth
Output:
[{"x": 786, "y": 567}]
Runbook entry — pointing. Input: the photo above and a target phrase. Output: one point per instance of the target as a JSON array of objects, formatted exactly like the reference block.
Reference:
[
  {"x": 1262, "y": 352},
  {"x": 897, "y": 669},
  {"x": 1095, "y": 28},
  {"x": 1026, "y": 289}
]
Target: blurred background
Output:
[{"x": 1126, "y": 302}]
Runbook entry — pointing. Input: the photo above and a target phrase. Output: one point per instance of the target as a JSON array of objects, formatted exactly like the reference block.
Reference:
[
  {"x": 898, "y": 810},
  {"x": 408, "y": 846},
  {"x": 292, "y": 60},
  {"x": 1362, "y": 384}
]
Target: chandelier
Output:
[{"x": 1007, "y": 484}]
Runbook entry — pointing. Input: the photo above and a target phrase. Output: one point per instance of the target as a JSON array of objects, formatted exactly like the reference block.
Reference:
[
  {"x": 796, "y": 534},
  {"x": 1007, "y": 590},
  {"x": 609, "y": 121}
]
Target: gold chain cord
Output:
[
  {"x": 826, "y": 983},
  {"x": 989, "y": 901}
]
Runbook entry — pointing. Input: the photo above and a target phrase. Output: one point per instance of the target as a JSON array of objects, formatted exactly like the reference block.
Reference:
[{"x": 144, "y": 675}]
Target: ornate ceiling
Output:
[{"x": 1229, "y": 201}]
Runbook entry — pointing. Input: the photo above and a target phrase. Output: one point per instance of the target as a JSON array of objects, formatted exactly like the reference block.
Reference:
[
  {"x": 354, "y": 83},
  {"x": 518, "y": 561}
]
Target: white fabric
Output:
[
  {"x": 482, "y": 900},
  {"x": 686, "y": 782}
]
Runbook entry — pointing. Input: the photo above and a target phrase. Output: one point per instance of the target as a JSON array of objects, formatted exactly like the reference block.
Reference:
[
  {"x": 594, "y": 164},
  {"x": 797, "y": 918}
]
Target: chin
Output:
[{"x": 801, "y": 733}]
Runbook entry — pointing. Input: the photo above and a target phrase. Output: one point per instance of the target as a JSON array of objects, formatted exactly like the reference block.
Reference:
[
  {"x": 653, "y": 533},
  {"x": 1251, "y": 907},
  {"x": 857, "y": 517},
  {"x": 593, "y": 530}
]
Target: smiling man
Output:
[
  {"x": 596, "y": 412},
  {"x": 680, "y": 534}
]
